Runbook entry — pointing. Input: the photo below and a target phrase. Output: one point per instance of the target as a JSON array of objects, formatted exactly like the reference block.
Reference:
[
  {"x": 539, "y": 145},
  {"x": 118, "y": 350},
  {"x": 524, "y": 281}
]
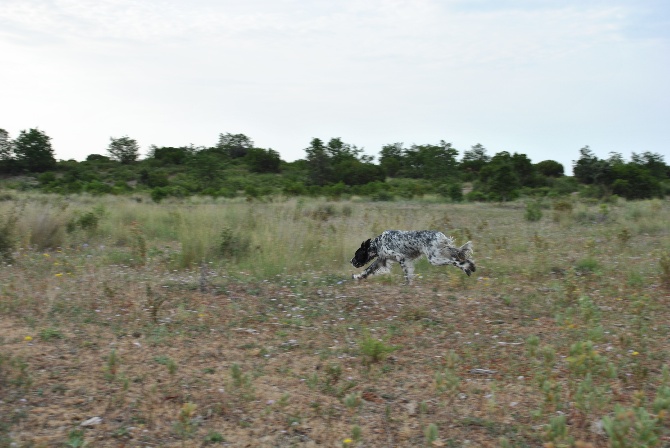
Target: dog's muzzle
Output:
[{"x": 356, "y": 263}]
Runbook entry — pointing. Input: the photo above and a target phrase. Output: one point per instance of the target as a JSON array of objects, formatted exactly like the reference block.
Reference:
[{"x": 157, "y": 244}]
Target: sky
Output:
[{"x": 537, "y": 77}]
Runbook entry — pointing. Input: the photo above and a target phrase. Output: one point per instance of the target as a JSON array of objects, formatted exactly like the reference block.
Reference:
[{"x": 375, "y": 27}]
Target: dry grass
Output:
[{"x": 562, "y": 333}]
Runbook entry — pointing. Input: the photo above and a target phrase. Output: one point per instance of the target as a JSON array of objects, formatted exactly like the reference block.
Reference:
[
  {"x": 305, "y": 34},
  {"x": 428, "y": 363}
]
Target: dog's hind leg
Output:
[
  {"x": 465, "y": 265},
  {"x": 408, "y": 269}
]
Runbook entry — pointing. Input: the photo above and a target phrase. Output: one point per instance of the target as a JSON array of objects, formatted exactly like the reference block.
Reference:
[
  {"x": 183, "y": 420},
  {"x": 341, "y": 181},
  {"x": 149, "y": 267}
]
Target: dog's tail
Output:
[{"x": 467, "y": 250}]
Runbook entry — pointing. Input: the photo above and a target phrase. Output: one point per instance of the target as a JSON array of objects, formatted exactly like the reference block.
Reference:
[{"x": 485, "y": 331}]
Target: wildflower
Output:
[
  {"x": 60, "y": 274},
  {"x": 347, "y": 441},
  {"x": 28, "y": 338},
  {"x": 635, "y": 353},
  {"x": 47, "y": 255}
]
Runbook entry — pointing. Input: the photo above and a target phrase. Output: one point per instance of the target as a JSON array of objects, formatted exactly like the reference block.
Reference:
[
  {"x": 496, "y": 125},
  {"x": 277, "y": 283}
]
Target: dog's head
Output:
[
  {"x": 364, "y": 254},
  {"x": 462, "y": 258}
]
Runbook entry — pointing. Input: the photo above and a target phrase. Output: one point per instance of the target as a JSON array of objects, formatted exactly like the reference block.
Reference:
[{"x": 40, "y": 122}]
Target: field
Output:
[{"x": 230, "y": 323}]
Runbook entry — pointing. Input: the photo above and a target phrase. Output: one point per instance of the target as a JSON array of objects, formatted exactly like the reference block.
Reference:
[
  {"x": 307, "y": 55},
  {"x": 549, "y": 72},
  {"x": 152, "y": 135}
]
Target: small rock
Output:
[
  {"x": 597, "y": 427},
  {"x": 91, "y": 422},
  {"x": 411, "y": 407}
]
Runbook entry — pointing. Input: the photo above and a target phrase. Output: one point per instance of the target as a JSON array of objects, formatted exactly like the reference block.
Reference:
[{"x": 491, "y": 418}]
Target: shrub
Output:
[
  {"x": 46, "y": 231},
  {"x": 159, "y": 193},
  {"x": 232, "y": 245},
  {"x": 664, "y": 262},
  {"x": 587, "y": 265},
  {"x": 533, "y": 211},
  {"x": 7, "y": 242}
]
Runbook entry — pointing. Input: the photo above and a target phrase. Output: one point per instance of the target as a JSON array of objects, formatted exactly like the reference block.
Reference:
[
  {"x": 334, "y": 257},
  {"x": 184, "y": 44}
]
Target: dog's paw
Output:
[{"x": 356, "y": 276}]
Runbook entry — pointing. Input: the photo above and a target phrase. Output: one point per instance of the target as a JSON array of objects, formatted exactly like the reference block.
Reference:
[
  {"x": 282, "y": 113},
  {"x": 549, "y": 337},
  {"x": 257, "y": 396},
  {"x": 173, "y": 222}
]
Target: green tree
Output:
[
  {"x": 653, "y": 163},
  {"x": 318, "y": 163},
  {"x": 499, "y": 177},
  {"x": 169, "y": 155},
  {"x": 474, "y": 160},
  {"x": 391, "y": 159},
  {"x": 588, "y": 169},
  {"x": 123, "y": 149},
  {"x": 550, "y": 168},
  {"x": 207, "y": 167},
  {"x": 524, "y": 169},
  {"x": 33, "y": 151},
  {"x": 356, "y": 172},
  {"x": 435, "y": 162},
  {"x": 234, "y": 146},
  {"x": 6, "y": 153},
  {"x": 632, "y": 181},
  {"x": 263, "y": 160}
]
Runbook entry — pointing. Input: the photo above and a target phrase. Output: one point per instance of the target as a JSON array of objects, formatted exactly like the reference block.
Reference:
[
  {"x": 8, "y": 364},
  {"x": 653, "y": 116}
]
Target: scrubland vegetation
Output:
[{"x": 233, "y": 322}]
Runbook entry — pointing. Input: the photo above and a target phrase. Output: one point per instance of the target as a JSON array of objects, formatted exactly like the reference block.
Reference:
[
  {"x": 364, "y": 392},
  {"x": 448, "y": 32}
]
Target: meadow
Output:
[{"x": 221, "y": 322}]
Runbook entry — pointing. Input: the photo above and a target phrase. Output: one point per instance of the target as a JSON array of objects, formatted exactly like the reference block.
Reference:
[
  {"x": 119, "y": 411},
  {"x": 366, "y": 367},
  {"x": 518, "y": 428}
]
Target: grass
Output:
[{"x": 229, "y": 322}]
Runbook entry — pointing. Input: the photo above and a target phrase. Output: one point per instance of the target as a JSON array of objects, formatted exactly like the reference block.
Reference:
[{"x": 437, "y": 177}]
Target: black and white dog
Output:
[{"x": 406, "y": 246}]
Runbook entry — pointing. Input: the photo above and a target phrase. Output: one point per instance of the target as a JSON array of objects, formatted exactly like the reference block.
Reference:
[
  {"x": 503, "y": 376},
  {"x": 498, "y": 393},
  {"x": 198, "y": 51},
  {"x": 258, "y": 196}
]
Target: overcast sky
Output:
[{"x": 538, "y": 77}]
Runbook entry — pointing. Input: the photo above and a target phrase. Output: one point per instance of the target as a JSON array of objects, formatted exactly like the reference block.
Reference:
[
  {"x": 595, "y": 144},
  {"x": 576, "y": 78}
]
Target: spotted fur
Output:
[{"x": 406, "y": 246}]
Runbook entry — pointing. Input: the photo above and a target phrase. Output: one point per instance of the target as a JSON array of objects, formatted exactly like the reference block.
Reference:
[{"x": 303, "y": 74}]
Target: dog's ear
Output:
[{"x": 366, "y": 243}]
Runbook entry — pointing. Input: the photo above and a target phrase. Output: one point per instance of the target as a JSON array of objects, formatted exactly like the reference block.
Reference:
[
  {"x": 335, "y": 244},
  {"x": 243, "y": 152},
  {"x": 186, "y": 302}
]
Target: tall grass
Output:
[{"x": 310, "y": 235}]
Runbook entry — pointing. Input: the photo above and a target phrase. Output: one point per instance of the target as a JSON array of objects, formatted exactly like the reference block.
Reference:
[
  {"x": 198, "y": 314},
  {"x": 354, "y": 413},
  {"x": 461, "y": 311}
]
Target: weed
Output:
[
  {"x": 167, "y": 362},
  {"x": 374, "y": 350},
  {"x": 624, "y": 236},
  {"x": 242, "y": 381},
  {"x": 556, "y": 432},
  {"x": 352, "y": 402},
  {"x": 49, "y": 334},
  {"x": 154, "y": 303},
  {"x": 138, "y": 244},
  {"x": 587, "y": 266},
  {"x": 75, "y": 439},
  {"x": 431, "y": 433},
  {"x": 584, "y": 359},
  {"x": 112, "y": 366},
  {"x": 631, "y": 427},
  {"x": 14, "y": 370},
  {"x": 213, "y": 437},
  {"x": 591, "y": 399},
  {"x": 447, "y": 381},
  {"x": 356, "y": 434},
  {"x": 532, "y": 343},
  {"x": 186, "y": 424}
]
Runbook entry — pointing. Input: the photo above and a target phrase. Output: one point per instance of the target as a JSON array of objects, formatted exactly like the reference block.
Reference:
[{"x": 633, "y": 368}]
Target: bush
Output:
[
  {"x": 159, "y": 193},
  {"x": 533, "y": 211},
  {"x": 232, "y": 245},
  {"x": 7, "y": 227},
  {"x": 476, "y": 196}
]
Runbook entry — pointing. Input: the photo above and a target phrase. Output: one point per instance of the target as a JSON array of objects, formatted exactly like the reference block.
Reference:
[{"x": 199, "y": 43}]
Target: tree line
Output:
[{"x": 236, "y": 166}]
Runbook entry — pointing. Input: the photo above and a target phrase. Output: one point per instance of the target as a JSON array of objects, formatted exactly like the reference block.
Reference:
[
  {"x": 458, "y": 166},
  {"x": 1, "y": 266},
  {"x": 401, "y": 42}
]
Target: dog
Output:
[{"x": 405, "y": 247}]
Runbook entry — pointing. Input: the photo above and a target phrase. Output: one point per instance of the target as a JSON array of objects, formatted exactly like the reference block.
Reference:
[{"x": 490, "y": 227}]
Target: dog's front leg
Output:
[
  {"x": 379, "y": 266},
  {"x": 370, "y": 270}
]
